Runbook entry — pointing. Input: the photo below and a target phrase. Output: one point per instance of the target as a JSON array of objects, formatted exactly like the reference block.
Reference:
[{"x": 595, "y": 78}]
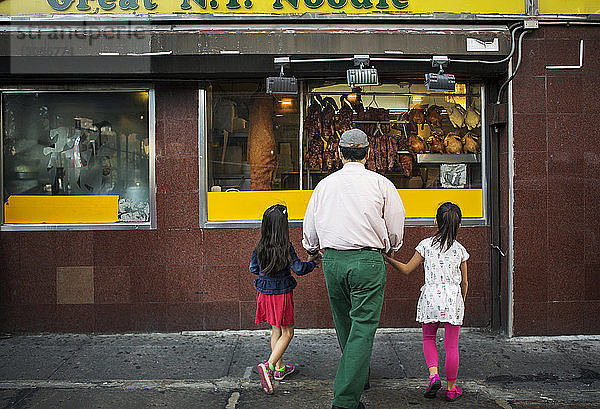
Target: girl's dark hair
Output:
[
  {"x": 448, "y": 219},
  {"x": 354, "y": 154},
  {"x": 273, "y": 249}
]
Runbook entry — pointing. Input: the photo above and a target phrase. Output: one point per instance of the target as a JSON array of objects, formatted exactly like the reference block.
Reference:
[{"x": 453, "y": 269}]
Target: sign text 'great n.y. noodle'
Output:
[{"x": 187, "y": 5}]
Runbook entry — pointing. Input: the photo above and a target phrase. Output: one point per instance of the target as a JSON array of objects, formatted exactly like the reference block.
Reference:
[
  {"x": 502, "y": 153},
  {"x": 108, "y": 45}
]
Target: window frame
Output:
[
  {"x": 203, "y": 170},
  {"x": 149, "y": 225}
]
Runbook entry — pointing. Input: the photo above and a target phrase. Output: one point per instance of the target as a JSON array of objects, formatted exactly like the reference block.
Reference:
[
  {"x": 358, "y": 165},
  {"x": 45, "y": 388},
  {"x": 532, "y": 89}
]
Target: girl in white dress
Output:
[{"x": 442, "y": 296}]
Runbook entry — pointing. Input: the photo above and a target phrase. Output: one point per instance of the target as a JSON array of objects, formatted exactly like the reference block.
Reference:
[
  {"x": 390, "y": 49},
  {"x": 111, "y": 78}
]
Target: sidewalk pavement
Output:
[{"x": 218, "y": 370}]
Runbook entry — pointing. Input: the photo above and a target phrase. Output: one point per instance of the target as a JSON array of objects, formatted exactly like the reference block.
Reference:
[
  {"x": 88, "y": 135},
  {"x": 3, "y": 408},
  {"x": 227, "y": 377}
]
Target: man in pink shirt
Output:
[{"x": 354, "y": 214}]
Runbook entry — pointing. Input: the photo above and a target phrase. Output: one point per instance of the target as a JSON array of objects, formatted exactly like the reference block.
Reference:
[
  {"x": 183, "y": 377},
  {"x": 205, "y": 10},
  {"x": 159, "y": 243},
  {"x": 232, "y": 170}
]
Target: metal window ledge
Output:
[
  {"x": 75, "y": 226},
  {"x": 441, "y": 158},
  {"x": 253, "y": 224}
]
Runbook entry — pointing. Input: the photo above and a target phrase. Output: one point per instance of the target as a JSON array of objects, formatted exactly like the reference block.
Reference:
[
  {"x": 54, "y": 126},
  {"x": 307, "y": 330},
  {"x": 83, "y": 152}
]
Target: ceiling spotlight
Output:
[
  {"x": 440, "y": 81},
  {"x": 282, "y": 85},
  {"x": 360, "y": 77}
]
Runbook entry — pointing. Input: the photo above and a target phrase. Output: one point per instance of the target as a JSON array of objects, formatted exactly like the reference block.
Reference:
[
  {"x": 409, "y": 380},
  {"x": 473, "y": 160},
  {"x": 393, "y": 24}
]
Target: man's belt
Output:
[
  {"x": 371, "y": 249},
  {"x": 361, "y": 248}
]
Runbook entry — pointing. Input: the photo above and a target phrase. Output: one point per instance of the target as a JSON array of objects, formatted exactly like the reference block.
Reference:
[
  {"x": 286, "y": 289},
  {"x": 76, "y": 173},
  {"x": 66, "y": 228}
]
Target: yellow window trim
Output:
[
  {"x": 61, "y": 209},
  {"x": 418, "y": 203}
]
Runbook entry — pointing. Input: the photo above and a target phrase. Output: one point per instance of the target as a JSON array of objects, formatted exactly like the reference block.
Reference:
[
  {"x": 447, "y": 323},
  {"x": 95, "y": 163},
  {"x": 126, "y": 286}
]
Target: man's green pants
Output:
[{"x": 355, "y": 284}]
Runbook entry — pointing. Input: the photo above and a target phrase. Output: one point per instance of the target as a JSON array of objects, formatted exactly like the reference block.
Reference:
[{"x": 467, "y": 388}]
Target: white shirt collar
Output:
[{"x": 354, "y": 165}]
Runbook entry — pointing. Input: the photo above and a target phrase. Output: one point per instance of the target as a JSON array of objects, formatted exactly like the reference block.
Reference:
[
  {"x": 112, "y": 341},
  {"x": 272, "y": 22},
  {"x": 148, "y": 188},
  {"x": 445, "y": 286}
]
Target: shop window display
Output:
[
  {"x": 418, "y": 139},
  {"x": 74, "y": 144},
  {"x": 263, "y": 149}
]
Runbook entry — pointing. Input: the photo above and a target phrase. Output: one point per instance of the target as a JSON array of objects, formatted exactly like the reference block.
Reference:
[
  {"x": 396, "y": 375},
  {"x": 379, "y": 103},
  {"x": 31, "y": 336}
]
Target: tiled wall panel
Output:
[
  {"x": 180, "y": 277},
  {"x": 557, "y": 159}
]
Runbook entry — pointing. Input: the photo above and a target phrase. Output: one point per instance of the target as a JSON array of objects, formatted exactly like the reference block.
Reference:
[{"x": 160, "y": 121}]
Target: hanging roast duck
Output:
[
  {"x": 471, "y": 143},
  {"x": 416, "y": 144},
  {"x": 453, "y": 143},
  {"x": 416, "y": 116},
  {"x": 436, "y": 140},
  {"x": 433, "y": 116},
  {"x": 472, "y": 117},
  {"x": 456, "y": 114},
  {"x": 436, "y": 145}
]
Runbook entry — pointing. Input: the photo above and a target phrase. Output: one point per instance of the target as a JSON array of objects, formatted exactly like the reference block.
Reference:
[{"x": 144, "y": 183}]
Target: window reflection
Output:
[{"x": 78, "y": 143}]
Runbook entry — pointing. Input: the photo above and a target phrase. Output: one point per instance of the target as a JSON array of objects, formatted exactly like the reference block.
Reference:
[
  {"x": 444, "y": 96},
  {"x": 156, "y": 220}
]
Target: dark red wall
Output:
[
  {"x": 556, "y": 184},
  {"x": 180, "y": 277}
]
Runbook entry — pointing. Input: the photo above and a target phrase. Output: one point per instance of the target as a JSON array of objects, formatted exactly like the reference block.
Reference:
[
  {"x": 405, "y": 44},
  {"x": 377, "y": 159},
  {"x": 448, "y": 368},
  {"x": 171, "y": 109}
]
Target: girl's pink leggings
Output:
[{"x": 450, "y": 346}]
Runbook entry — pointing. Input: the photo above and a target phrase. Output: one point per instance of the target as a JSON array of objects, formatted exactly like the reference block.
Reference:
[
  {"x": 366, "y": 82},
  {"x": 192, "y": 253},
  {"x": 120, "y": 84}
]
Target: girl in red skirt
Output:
[{"x": 272, "y": 260}]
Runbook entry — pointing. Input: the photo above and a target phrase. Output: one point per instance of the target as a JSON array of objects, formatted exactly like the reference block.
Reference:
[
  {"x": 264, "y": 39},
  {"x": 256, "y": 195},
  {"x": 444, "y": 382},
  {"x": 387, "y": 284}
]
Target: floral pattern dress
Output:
[{"x": 441, "y": 298}]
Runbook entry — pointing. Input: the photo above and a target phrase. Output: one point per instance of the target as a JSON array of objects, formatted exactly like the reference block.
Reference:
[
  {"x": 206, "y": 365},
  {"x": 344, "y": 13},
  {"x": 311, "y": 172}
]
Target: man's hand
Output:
[{"x": 317, "y": 258}]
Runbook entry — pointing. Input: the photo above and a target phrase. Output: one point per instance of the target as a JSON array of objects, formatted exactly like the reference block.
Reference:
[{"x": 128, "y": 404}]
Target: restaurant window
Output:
[
  {"x": 263, "y": 149},
  {"x": 77, "y": 158}
]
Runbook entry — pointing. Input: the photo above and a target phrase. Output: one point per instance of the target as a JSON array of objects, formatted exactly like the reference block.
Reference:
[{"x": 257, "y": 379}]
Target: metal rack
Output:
[
  {"x": 441, "y": 158},
  {"x": 380, "y": 122}
]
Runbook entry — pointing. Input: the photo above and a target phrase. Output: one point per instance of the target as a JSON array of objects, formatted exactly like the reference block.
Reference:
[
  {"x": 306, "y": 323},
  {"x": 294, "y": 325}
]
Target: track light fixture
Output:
[
  {"x": 282, "y": 85},
  {"x": 359, "y": 77},
  {"x": 440, "y": 81}
]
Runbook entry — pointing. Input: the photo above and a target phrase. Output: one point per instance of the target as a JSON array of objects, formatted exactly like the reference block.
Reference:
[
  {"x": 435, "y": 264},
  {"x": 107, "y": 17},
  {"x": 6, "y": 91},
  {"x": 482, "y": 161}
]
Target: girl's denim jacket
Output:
[{"x": 282, "y": 282}]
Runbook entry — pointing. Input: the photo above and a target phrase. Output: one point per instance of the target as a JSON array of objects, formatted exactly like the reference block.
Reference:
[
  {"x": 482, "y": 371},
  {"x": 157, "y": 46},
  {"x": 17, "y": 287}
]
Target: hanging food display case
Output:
[{"x": 411, "y": 131}]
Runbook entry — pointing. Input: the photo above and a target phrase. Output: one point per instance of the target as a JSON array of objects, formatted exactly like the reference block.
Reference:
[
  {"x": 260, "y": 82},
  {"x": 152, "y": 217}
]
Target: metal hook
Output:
[{"x": 373, "y": 102}]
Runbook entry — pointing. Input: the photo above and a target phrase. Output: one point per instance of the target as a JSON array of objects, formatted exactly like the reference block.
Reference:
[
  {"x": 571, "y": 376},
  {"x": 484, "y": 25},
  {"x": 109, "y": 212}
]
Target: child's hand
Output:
[
  {"x": 405, "y": 268},
  {"x": 396, "y": 264}
]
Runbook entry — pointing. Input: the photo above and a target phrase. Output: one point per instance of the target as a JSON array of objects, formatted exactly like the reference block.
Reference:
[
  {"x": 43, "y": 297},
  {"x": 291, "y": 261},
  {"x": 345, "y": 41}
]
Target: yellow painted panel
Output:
[
  {"x": 16, "y": 7},
  {"x": 418, "y": 203},
  {"x": 569, "y": 7},
  {"x": 61, "y": 209},
  {"x": 250, "y": 205}
]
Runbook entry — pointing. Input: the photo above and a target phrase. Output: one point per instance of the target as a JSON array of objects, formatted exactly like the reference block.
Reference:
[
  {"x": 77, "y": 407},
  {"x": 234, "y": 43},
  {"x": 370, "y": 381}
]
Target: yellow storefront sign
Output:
[
  {"x": 19, "y": 7},
  {"x": 418, "y": 203},
  {"x": 570, "y": 7}
]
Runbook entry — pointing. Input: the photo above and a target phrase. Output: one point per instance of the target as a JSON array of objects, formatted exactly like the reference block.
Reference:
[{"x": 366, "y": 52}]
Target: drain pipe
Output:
[{"x": 510, "y": 78}]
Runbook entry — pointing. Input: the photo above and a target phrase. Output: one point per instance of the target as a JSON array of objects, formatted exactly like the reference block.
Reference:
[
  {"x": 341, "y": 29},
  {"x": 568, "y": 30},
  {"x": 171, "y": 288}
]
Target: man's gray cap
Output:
[{"x": 354, "y": 138}]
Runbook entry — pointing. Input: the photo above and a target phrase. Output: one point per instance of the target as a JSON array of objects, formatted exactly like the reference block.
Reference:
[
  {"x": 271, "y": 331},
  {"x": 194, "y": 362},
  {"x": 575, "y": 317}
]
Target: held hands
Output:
[
  {"x": 405, "y": 268},
  {"x": 388, "y": 258},
  {"x": 317, "y": 258},
  {"x": 396, "y": 264}
]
